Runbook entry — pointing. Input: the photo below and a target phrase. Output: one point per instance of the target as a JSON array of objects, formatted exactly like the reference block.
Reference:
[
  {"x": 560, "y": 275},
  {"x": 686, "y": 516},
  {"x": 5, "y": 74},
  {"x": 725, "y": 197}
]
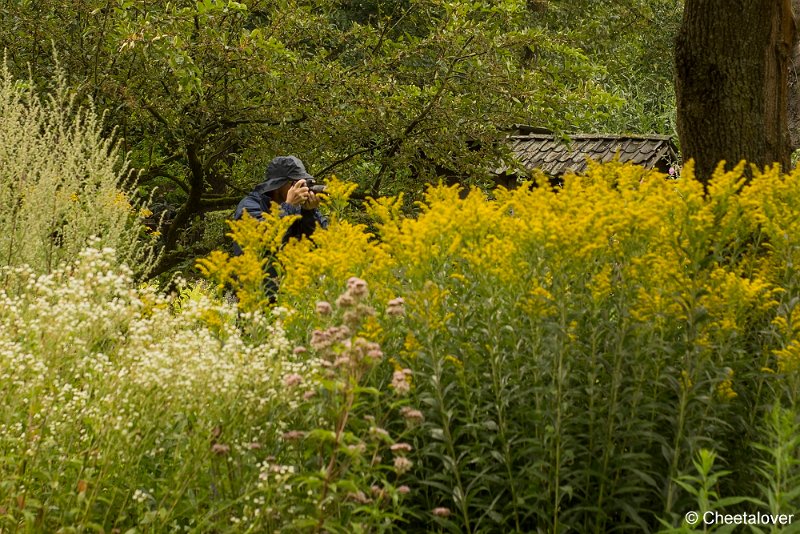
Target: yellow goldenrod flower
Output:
[{"x": 724, "y": 389}]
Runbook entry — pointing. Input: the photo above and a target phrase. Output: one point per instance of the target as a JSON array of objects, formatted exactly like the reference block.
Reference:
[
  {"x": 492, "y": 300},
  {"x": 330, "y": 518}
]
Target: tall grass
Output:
[{"x": 62, "y": 182}]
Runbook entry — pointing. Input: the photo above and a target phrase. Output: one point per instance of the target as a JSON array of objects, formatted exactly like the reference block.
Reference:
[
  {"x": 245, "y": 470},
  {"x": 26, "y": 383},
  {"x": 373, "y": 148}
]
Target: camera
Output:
[{"x": 314, "y": 187}]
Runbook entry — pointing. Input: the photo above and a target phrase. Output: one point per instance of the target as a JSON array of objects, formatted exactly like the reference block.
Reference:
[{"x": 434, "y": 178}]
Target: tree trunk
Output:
[
  {"x": 794, "y": 82},
  {"x": 732, "y": 63},
  {"x": 193, "y": 204}
]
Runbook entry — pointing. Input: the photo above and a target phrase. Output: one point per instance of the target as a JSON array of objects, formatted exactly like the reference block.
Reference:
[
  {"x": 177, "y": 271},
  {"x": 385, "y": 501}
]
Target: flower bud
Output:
[
  {"x": 220, "y": 449},
  {"x": 324, "y": 308},
  {"x": 402, "y": 464}
]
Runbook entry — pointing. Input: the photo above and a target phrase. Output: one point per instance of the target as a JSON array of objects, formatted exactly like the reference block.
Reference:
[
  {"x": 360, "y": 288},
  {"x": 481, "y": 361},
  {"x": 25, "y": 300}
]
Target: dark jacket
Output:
[{"x": 259, "y": 201}]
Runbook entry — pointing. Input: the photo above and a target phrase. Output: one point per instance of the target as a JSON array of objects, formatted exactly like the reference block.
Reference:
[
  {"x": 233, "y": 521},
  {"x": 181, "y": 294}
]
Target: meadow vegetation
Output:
[
  {"x": 608, "y": 355},
  {"x": 576, "y": 353}
]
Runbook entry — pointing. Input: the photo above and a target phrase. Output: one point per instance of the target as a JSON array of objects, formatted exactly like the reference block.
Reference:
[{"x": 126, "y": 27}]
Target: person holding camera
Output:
[{"x": 287, "y": 183}]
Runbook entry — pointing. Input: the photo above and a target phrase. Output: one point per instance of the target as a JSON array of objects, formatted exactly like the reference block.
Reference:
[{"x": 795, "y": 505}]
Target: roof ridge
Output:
[{"x": 647, "y": 137}]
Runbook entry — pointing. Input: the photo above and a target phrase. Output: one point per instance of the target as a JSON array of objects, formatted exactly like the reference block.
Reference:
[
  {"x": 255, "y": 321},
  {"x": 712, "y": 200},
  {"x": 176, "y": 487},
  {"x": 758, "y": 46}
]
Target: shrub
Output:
[
  {"x": 574, "y": 350},
  {"x": 123, "y": 408},
  {"x": 61, "y": 182}
]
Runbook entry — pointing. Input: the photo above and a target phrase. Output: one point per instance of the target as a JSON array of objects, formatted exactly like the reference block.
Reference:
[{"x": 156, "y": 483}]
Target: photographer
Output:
[{"x": 286, "y": 182}]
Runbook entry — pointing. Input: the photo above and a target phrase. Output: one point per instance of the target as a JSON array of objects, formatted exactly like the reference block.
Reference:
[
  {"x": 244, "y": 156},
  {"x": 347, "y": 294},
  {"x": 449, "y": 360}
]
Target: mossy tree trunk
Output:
[{"x": 732, "y": 62}]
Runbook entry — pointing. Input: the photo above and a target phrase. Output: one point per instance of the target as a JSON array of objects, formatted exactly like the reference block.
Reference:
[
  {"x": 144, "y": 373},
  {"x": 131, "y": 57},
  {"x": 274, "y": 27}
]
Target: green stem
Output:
[
  {"x": 448, "y": 438},
  {"x": 501, "y": 423},
  {"x": 557, "y": 430},
  {"x": 330, "y": 469}
]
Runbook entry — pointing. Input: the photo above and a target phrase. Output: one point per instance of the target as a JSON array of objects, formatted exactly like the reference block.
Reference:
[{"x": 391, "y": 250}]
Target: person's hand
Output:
[
  {"x": 312, "y": 202},
  {"x": 298, "y": 194}
]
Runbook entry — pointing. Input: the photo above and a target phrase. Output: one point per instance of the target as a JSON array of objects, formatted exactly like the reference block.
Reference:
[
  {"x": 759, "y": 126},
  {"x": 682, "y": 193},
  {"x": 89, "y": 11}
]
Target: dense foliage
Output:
[
  {"x": 610, "y": 354},
  {"x": 631, "y": 41},
  {"x": 572, "y": 352},
  {"x": 607, "y": 355}
]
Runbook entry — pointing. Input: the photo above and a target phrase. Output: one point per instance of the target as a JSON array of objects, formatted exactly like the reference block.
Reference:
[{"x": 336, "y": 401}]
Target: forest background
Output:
[{"x": 386, "y": 94}]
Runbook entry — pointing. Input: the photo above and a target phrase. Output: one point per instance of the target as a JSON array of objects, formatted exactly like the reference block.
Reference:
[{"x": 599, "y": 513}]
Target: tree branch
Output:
[
  {"x": 395, "y": 146},
  {"x": 155, "y": 171},
  {"x": 227, "y": 124},
  {"x": 190, "y": 207},
  {"x": 221, "y": 152},
  {"x": 156, "y": 114},
  {"x": 210, "y": 204},
  {"x": 159, "y": 173},
  {"x": 346, "y": 159}
]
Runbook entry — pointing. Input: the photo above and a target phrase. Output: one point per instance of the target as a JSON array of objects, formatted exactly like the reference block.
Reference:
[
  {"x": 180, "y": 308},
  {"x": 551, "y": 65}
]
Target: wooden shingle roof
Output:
[{"x": 555, "y": 156}]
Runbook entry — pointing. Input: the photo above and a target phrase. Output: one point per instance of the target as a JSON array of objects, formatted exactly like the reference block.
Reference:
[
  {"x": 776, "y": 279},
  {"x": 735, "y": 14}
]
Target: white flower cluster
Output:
[
  {"x": 142, "y": 496},
  {"x": 90, "y": 364}
]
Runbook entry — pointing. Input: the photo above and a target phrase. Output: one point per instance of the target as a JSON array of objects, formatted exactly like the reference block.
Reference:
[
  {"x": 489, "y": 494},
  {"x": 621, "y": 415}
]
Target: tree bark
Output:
[
  {"x": 794, "y": 82},
  {"x": 192, "y": 205},
  {"x": 732, "y": 64}
]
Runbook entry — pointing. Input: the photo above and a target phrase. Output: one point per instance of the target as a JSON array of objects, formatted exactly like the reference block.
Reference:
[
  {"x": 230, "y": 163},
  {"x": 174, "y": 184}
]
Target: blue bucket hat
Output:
[{"x": 281, "y": 170}]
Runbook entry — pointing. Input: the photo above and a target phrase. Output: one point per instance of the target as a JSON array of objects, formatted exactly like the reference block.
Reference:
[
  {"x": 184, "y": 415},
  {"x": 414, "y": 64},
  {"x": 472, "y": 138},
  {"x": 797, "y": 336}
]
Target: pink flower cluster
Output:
[
  {"x": 382, "y": 493},
  {"x": 293, "y": 435},
  {"x": 359, "y": 497},
  {"x": 323, "y": 339},
  {"x": 324, "y": 308},
  {"x": 220, "y": 449},
  {"x": 401, "y": 382},
  {"x": 292, "y": 379},
  {"x": 350, "y": 301},
  {"x": 345, "y": 300},
  {"x": 402, "y": 464},
  {"x": 356, "y": 290},
  {"x": 396, "y": 307},
  {"x": 411, "y": 415},
  {"x": 401, "y": 447},
  {"x": 357, "y": 287}
]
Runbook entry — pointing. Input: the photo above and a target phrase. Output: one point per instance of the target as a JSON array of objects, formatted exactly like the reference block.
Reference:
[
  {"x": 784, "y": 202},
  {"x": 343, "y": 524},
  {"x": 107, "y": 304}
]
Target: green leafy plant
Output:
[
  {"x": 703, "y": 489},
  {"x": 574, "y": 350},
  {"x": 780, "y": 467}
]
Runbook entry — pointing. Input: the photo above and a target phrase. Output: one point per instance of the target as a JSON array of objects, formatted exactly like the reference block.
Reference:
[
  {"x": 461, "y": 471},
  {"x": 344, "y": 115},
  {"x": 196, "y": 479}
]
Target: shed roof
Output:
[{"x": 555, "y": 156}]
